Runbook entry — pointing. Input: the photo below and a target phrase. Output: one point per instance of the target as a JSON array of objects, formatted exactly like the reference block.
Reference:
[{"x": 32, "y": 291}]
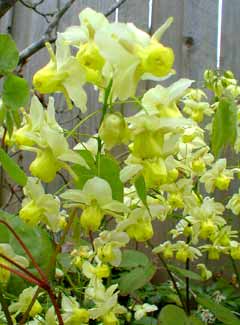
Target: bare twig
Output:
[
  {"x": 47, "y": 37},
  {"x": 34, "y": 7},
  {"x": 5, "y": 5},
  {"x": 114, "y": 7}
]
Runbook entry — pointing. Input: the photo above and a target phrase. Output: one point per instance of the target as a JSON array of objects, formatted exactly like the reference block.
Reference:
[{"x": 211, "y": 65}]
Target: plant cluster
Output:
[{"x": 73, "y": 244}]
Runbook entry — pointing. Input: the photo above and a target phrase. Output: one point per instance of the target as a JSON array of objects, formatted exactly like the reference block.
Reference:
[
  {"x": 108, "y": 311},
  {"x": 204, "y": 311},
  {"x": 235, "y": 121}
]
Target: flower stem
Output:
[
  {"x": 188, "y": 309},
  {"x": 234, "y": 265},
  {"x": 5, "y": 308},
  {"x": 173, "y": 281}
]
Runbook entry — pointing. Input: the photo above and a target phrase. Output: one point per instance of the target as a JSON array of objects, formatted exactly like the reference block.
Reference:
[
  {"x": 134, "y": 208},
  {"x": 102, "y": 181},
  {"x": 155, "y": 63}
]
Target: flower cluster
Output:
[{"x": 169, "y": 170}]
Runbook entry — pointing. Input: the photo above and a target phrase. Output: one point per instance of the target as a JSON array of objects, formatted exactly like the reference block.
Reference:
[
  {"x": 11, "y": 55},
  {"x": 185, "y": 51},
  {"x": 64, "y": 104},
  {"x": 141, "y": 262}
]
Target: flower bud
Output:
[
  {"x": 140, "y": 231},
  {"x": 114, "y": 130},
  {"x": 176, "y": 201},
  {"x": 198, "y": 166},
  {"x": 222, "y": 182},
  {"x": 207, "y": 228},
  {"x": 155, "y": 173},
  {"x": 79, "y": 316},
  {"x": 36, "y": 309},
  {"x": 105, "y": 253},
  {"x": 213, "y": 254},
  {"x": 182, "y": 255},
  {"x": 90, "y": 58},
  {"x": 45, "y": 166},
  {"x": 110, "y": 319},
  {"x": 91, "y": 218},
  {"x": 48, "y": 80},
  {"x": 4, "y": 274},
  {"x": 148, "y": 145},
  {"x": 102, "y": 271},
  {"x": 235, "y": 252},
  {"x": 168, "y": 252},
  {"x": 31, "y": 213},
  {"x": 157, "y": 59},
  {"x": 204, "y": 272},
  {"x": 173, "y": 175}
]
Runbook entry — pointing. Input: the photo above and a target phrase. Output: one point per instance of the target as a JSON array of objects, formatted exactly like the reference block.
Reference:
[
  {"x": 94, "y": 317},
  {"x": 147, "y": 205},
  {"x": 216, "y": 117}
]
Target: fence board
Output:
[
  {"x": 136, "y": 12},
  {"x": 200, "y": 37},
  {"x": 230, "y": 42},
  {"x": 71, "y": 18},
  {"x": 162, "y": 9}
]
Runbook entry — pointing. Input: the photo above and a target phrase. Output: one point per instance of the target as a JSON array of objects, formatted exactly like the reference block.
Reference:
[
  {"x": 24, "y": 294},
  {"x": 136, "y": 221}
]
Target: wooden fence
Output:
[{"x": 193, "y": 36}]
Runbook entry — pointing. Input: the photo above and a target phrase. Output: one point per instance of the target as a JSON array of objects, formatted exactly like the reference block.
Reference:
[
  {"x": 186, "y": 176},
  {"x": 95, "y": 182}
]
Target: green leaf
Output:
[
  {"x": 15, "y": 92},
  {"x": 136, "y": 278},
  {"x": 108, "y": 169},
  {"x": 37, "y": 241},
  {"x": 9, "y": 123},
  {"x": 141, "y": 189},
  {"x": 132, "y": 258},
  {"x": 9, "y": 55},
  {"x": 222, "y": 313},
  {"x": 185, "y": 273},
  {"x": 172, "y": 315},
  {"x": 145, "y": 321},
  {"x": 224, "y": 126},
  {"x": 194, "y": 321},
  {"x": 12, "y": 168}
]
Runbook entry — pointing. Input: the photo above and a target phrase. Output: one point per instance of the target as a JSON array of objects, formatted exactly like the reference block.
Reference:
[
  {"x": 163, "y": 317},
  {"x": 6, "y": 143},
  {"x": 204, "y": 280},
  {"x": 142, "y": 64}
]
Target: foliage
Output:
[{"x": 65, "y": 257}]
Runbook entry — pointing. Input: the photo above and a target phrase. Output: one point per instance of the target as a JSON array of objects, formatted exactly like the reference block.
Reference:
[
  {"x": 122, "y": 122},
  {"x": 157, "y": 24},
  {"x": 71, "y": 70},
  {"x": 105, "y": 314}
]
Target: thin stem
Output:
[
  {"x": 55, "y": 305},
  {"x": 24, "y": 276},
  {"x": 188, "y": 309},
  {"x": 234, "y": 265},
  {"x": 173, "y": 281},
  {"x": 51, "y": 264},
  {"x": 104, "y": 111},
  {"x": 91, "y": 239},
  {"x": 25, "y": 249},
  {"x": 23, "y": 269},
  {"x": 5, "y": 308},
  {"x": 70, "y": 133},
  {"x": 25, "y": 315}
]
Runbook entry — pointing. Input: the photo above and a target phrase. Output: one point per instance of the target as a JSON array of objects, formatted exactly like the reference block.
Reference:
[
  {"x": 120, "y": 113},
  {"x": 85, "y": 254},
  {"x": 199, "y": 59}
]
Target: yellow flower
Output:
[
  {"x": 91, "y": 217},
  {"x": 113, "y": 130},
  {"x": 156, "y": 59},
  {"x": 110, "y": 319},
  {"x": 62, "y": 74},
  {"x": 90, "y": 58}
]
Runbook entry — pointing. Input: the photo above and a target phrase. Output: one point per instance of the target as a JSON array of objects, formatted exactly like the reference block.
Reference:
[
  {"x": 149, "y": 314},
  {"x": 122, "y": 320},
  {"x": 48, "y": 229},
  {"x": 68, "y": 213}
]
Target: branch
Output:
[
  {"x": 114, "y": 7},
  {"x": 5, "y": 5},
  {"x": 34, "y": 7},
  {"x": 46, "y": 37}
]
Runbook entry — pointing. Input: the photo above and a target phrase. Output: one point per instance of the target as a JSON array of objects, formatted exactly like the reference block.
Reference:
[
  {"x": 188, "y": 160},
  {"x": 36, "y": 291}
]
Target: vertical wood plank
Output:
[
  {"x": 71, "y": 18},
  {"x": 136, "y": 12},
  {"x": 27, "y": 27},
  {"x": 200, "y": 37},
  {"x": 230, "y": 41},
  {"x": 6, "y": 22},
  {"x": 162, "y": 9}
]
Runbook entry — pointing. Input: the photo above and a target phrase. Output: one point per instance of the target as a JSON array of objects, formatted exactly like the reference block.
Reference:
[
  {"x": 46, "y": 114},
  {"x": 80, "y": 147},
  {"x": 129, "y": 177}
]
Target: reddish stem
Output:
[
  {"x": 55, "y": 305},
  {"x": 23, "y": 276},
  {"x": 41, "y": 273},
  {"x": 19, "y": 266}
]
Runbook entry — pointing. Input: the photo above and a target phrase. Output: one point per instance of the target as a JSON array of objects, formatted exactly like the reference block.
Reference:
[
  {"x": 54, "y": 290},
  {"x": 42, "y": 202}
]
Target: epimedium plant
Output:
[{"x": 169, "y": 170}]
